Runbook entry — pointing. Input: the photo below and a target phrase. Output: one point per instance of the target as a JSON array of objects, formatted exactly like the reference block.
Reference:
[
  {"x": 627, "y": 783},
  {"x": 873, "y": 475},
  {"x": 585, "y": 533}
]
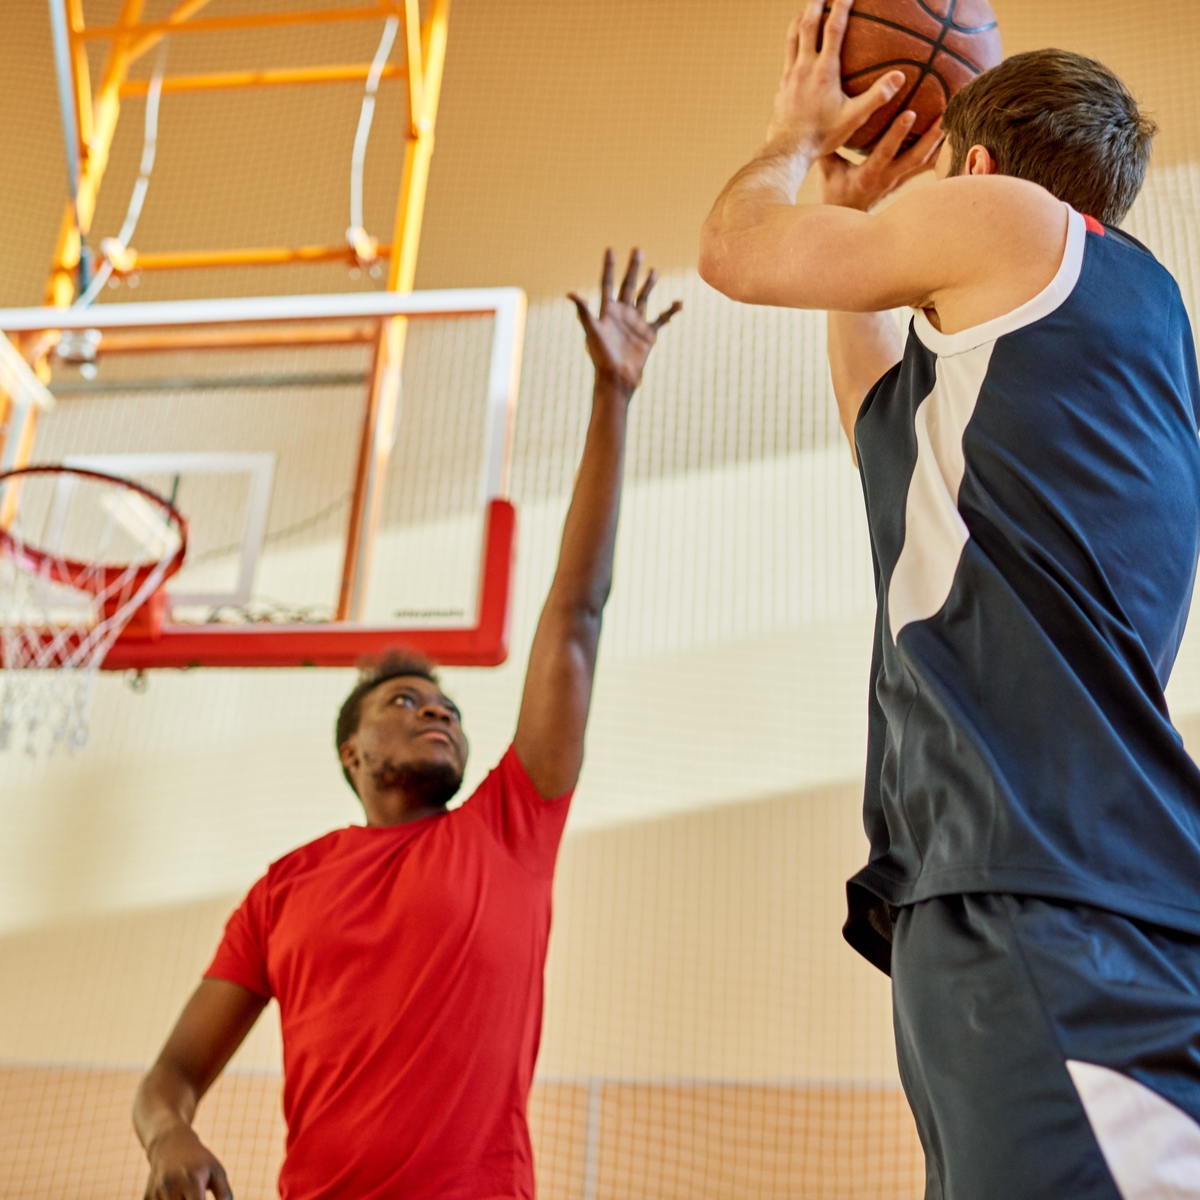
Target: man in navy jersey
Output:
[
  {"x": 407, "y": 954},
  {"x": 1031, "y": 470}
]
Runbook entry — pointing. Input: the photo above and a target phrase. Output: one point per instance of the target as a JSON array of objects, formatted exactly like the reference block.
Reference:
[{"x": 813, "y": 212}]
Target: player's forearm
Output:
[
  {"x": 863, "y": 347},
  {"x": 562, "y": 661},
  {"x": 583, "y": 579},
  {"x": 759, "y": 193},
  {"x": 166, "y": 1101}
]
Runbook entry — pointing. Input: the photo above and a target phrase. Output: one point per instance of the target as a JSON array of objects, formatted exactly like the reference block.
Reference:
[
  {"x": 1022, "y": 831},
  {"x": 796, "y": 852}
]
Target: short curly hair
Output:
[
  {"x": 391, "y": 665},
  {"x": 1060, "y": 120}
]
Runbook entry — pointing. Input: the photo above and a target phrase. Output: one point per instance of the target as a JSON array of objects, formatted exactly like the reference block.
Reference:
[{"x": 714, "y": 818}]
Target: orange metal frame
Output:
[
  {"x": 97, "y": 110},
  {"x": 130, "y": 39}
]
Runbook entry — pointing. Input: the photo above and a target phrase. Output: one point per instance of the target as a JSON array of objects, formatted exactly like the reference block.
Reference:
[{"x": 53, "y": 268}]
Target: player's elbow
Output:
[
  {"x": 577, "y": 615},
  {"x": 717, "y": 259},
  {"x": 719, "y": 266},
  {"x": 166, "y": 1090}
]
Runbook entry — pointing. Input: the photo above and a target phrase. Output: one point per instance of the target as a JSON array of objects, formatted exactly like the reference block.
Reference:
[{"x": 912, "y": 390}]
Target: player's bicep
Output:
[
  {"x": 213, "y": 1024},
  {"x": 982, "y": 237},
  {"x": 818, "y": 256}
]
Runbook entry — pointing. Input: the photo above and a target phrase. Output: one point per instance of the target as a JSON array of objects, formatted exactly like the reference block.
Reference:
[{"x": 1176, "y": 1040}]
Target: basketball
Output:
[{"x": 940, "y": 45}]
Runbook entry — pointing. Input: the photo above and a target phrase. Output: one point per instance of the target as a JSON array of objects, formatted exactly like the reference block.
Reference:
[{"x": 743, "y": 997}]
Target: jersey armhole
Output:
[{"x": 1053, "y": 296}]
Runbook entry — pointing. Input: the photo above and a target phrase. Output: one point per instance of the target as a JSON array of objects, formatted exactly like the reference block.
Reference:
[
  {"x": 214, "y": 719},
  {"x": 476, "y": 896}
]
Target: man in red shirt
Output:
[{"x": 407, "y": 955}]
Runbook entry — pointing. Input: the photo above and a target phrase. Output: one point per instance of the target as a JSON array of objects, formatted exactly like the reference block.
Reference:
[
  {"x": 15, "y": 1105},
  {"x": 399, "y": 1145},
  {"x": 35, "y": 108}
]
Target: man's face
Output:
[{"x": 407, "y": 725}]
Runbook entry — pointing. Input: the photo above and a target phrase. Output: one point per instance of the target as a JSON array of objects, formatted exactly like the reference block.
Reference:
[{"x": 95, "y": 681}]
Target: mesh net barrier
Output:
[{"x": 707, "y": 1033}]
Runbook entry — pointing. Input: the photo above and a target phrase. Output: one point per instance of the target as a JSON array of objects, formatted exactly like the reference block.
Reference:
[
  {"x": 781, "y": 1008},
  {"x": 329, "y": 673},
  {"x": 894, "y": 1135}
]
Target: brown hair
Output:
[{"x": 1059, "y": 120}]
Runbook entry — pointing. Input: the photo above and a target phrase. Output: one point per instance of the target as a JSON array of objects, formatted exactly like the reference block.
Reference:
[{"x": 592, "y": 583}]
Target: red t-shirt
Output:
[{"x": 407, "y": 962}]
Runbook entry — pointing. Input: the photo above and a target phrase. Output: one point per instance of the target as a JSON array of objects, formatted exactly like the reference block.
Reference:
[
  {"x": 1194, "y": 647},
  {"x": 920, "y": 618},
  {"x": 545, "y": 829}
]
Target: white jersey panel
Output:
[
  {"x": 934, "y": 532},
  {"x": 1052, "y": 296}
]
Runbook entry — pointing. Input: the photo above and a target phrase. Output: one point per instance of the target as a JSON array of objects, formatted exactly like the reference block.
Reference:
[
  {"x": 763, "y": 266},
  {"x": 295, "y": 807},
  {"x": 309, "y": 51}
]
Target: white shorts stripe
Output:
[{"x": 1152, "y": 1148}]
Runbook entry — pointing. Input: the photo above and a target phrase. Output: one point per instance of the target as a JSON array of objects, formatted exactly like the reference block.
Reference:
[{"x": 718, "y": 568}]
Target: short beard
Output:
[{"x": 427, "y": 785}]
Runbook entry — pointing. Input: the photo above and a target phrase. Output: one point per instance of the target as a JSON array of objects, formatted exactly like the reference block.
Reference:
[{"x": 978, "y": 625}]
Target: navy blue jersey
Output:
[{"x": 1033, "y": 494}]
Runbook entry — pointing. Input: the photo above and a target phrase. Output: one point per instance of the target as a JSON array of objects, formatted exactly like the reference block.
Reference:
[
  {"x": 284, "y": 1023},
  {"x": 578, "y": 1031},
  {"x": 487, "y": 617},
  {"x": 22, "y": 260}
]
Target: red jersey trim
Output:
[{"x": 1093, "y": 226}]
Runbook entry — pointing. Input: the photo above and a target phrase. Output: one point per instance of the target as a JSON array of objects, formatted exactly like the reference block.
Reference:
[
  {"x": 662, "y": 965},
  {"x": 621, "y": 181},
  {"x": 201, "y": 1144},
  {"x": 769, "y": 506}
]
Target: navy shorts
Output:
[{"x": 1050, "y": 1051}]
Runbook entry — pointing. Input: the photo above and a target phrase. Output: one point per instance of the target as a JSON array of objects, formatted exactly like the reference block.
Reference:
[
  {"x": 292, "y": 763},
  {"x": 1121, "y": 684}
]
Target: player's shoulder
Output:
[
  {"x": 1131, "y": 267},
  {"x": 971, "y": 220},
  {"x": 976, "y": 204},
  {"x": 508, "y": 782},
  {"x": 508, "y": 774},
  {"x": 311, "y": 854},
  {"x": 1121, "y": 238}
]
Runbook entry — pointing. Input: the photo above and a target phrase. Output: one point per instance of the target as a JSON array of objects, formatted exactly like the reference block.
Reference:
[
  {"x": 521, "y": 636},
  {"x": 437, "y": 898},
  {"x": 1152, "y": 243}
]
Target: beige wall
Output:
[{"x": 563, "y": 127}]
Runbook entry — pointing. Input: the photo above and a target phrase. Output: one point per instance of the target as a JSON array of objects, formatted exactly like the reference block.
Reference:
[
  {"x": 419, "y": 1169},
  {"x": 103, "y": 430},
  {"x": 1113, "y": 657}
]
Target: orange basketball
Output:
[{"x": 940, "y": 45}]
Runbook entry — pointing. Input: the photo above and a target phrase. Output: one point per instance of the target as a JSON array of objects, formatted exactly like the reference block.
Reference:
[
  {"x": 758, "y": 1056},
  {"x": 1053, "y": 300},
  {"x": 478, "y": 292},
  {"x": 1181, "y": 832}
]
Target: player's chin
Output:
[
  {"x": 433, "y": 751},
  {"x": 435, "y": 779}
]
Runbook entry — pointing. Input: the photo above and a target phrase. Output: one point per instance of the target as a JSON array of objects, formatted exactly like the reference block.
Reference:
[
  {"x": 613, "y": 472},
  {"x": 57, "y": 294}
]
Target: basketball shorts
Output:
[{"x": 1050, "y": 1051}]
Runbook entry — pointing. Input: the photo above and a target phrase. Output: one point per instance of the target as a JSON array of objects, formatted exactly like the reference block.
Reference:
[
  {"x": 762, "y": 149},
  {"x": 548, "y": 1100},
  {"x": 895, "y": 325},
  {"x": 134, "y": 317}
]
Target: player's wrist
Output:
[
  {"x": 794, "y": 142},
  {"x": 844, "y": 197},
  {"x": 171, "y": 1135},
  {"x": 863, "y": 204},
  {"x": 615, "y": 383},
  {"x": 785, "y": 160}
]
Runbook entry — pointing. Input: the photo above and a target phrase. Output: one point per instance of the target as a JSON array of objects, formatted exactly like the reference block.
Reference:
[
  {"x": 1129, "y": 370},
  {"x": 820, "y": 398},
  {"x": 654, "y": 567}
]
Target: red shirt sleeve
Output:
[
  {"x": 242, "y": 955},
  {"x": 531, "y": 828}
]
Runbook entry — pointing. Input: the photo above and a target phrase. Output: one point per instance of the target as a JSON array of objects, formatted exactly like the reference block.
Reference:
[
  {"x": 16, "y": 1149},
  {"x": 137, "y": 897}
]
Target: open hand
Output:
[
  {"x": 620, "y": 339},
  {"x": 862, "y": 186},
  {"x": 812, "y": 113}
]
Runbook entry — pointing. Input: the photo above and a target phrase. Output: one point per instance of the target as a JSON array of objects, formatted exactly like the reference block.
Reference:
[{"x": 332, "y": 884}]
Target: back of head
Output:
[{"x": 1059, "y": 120}]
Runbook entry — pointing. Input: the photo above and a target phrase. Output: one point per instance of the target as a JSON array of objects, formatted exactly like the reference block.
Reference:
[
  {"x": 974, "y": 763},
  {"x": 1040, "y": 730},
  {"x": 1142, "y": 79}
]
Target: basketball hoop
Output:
[{"x": 84, "y": 557}]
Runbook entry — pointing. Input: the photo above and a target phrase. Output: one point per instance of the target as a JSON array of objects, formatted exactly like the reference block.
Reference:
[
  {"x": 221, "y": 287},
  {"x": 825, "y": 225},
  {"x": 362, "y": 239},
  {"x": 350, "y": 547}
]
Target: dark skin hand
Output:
[{"x": 409, "y": 731}]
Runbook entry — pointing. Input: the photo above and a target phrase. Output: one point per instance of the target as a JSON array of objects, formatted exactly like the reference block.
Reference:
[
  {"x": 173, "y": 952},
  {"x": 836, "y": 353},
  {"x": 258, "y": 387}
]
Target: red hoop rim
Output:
[{"x": 85, "y": 576}]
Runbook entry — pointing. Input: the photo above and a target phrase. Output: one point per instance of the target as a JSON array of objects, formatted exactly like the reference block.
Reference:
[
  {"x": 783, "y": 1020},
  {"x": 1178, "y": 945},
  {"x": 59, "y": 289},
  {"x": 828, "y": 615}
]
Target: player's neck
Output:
[{"x": 386, "y": 808}]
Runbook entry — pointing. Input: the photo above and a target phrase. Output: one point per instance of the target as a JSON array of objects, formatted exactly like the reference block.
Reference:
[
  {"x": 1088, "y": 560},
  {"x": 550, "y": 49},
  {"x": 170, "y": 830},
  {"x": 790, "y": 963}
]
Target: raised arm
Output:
[
  {"x": 863, "y": 347},
  {"x": 558, "y": 683},
  {"x": 212, "y": 1025},
  {"x": 968, "y": 249}
]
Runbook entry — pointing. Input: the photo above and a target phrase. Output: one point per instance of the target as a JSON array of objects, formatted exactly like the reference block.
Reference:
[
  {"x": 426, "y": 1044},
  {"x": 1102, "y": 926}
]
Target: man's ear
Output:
[
  {"x": 979, "y": 162},
  {"x": 348, "y": 753}
]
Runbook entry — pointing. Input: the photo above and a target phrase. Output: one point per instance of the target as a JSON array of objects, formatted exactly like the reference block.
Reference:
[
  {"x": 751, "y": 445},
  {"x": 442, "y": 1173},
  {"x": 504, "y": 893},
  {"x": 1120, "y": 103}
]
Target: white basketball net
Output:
[{"x": 54, "y": 635}]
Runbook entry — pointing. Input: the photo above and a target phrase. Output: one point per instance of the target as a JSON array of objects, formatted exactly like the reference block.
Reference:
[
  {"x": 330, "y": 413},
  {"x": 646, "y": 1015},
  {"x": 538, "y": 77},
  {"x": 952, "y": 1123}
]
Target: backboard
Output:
[{"x": 342, "y": 462}]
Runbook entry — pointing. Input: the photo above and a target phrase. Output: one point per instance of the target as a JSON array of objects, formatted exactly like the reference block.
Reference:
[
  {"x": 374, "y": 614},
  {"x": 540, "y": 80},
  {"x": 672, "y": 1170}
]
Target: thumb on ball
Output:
[{"x": 876, "y": 96}]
